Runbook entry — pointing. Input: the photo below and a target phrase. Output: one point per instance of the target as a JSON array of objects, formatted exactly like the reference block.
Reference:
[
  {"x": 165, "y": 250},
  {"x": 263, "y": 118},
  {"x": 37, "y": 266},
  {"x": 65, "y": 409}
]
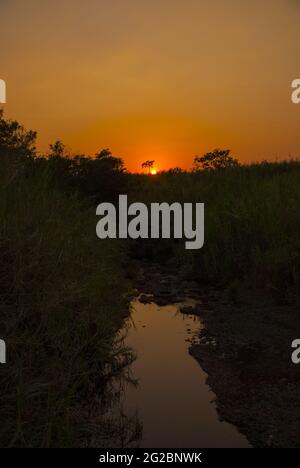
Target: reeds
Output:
[
  {"x": 61, "y": 301},
  {"x": 252, "y": 222}
]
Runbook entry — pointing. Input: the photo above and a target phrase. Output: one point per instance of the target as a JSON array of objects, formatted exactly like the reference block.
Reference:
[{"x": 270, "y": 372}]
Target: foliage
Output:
[
  {"x": 110, "y": 162},
  {"x": 57, "y": 150},
  {"x": 62, "y": 301},
  {"x": 148, "y": 165},
  {"x": 217, "y": 159},
  {"x": 15, "y": 140},
  {"x": 252, "y": 223}
]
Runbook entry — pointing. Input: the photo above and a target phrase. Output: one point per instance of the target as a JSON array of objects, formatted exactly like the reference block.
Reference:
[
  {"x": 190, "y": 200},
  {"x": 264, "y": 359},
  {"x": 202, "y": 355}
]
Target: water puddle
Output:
[{"x": 173, "y": 402}]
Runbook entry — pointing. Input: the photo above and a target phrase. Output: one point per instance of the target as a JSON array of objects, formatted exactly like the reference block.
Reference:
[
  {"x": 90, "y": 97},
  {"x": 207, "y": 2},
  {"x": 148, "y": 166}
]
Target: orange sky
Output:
[{"x": 155, "y": 79}]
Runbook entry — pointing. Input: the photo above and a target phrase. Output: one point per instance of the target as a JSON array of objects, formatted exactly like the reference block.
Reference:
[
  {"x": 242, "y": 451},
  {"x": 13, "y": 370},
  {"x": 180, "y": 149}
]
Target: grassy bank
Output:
[
  {"x": 249, "y": 268},
  {"x": 61, "y": 299},
  {"x": 252, "y": 224}
]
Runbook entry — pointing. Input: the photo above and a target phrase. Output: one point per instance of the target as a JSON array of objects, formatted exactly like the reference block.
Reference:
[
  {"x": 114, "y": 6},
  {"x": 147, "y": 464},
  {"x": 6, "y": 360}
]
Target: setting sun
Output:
[{"x": 153, "y": 172}]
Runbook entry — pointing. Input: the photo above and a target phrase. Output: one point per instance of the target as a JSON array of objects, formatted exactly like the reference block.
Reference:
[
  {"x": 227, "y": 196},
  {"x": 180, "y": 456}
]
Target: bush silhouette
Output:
[
  {"x": 216, "y": 159},
  {"x": 15, "y": 140}
]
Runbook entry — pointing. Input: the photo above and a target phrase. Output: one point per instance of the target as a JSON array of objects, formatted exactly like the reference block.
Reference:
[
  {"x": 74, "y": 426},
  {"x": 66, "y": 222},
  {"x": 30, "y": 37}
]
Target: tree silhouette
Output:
[
  {"x": 105, "y": 153},
  {"x": 108, "y": 162},
  {"x": 216, "y": 159},
  {"x": 57, "y": 150},
  {"x": 15, "y": 140},
  {"x": 148, "y": 165}
]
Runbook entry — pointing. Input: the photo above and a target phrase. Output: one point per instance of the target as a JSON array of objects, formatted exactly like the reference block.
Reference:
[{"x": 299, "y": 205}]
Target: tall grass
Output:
[
  {"x": 61, "y": 300},
  {"x": 252, "y": 222},
  {"x": 63, "y": 294}
]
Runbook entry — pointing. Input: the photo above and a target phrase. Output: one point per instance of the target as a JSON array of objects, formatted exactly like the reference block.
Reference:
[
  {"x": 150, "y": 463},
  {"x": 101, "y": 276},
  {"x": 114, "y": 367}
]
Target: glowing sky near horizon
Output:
[{"x": 155, "y": 79}]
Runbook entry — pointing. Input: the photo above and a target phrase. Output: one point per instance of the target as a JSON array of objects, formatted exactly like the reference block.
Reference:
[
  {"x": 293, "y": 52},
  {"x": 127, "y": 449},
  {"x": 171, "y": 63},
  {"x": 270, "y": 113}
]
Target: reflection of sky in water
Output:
[{"x": 173, "y": 402}]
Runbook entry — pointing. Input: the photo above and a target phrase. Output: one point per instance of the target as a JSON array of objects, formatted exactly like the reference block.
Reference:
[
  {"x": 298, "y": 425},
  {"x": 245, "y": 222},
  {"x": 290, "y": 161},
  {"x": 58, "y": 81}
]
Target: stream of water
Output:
[{"x": 172, "y": 399}]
